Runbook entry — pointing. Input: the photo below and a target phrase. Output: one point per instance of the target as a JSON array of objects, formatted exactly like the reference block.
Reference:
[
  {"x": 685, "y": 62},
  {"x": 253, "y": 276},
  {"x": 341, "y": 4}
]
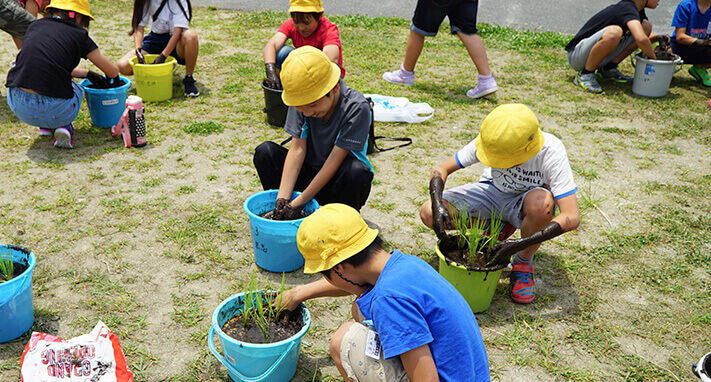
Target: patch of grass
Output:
[{"x": 203, "y": 128}]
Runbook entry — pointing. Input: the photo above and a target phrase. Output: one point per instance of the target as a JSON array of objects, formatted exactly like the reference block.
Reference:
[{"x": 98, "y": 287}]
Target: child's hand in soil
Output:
[{"x": 289, "y": 299}]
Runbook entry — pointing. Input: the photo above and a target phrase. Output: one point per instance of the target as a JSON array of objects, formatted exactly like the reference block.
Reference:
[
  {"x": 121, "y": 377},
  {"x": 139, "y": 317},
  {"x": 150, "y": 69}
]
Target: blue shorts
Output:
[
  {"x": 483, "y": 198},
  {"x": 154, "y": 43},
  {"x": 44, "y": 111},
  {"x": 692, "y": 54},
  {"x": 429, "y": 15}
]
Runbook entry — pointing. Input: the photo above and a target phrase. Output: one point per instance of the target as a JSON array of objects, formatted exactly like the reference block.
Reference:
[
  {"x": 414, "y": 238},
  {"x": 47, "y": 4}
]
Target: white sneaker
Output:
[
  {"x": 63, "y": 137},
  {"x": 400, "y": 76},
  {"x": 486, "y": 85}
]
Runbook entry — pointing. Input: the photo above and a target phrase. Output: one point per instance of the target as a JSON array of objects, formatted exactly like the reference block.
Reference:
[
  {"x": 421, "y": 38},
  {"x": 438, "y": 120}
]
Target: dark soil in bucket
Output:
[
  {"x": 662, "y": 56},
  {"x": 270, "y": 215},
  {"x": 18, "y": 268},
  {"x": 121, "y": 83},
  {"x": 461, "y": 256},
  {"x": 288, "y": 324}
]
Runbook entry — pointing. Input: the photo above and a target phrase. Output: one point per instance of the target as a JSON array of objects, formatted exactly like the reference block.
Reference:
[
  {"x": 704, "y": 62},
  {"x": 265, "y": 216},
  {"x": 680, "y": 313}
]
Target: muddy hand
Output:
[
  {"x": 664, "y": 43},
  {"x": 139, "y": 57},
  {"x": 291, "y": 212},
  {"x": 97, "y": 80},
  {"x": 272, "y": 81},
  {"x": 281, "y": 204},
  {"x": 501, "y": 253},
  {"x": 440, "y": 216},
  {"x": 289, "y": 300},
  {"x": 160, "y": 59}
]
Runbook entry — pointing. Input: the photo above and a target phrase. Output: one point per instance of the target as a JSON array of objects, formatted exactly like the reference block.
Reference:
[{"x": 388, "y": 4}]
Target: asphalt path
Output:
[{"x": 565, "y": 16}]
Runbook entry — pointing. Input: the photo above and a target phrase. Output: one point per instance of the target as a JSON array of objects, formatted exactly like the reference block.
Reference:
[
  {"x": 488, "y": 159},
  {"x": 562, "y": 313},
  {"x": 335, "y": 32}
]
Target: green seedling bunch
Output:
[
  {"x": 7, "y": 266},
  {"x": 474, "y": 235},
  {"x": 260, "y": 309}
]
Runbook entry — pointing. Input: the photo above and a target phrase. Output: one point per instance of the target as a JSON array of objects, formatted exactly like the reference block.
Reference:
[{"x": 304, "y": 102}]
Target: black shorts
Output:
[
  {"x": 154, "y": 43},
  {"x": 692, "y": 54},
  {"x": 429, "y": 15}
]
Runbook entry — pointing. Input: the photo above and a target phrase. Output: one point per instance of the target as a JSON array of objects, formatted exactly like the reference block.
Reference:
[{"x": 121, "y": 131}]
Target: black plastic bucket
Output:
[{"x": 274, "y": 106}]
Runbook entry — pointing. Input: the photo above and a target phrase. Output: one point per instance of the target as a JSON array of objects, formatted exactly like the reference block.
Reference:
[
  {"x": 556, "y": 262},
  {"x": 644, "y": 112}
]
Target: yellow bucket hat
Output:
[
  {"x": 78, "y": 6},
  {"x": 307, "y": 75},
  {"x": 332, "y": 234},
  {"x": 305, "y": 6},
  {"x": 509, "y": 136}
]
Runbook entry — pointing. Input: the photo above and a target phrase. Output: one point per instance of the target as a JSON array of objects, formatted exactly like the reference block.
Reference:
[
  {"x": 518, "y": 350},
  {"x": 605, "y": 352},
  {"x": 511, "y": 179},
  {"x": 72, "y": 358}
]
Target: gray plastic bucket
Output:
[
  {"x": 652, "y": 77},
  {"x": 274, "y": 106}
]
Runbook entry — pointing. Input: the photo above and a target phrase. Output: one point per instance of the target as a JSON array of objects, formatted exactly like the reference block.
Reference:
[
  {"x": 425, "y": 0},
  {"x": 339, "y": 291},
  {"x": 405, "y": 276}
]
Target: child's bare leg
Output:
[
  {"x": 123, "y": 63},
  {"x": 477, "y": 52},
  {"x": 537, "y": 213},
  {"x": 607, "y": 44},
  {"x": 188, "y": 47},
  {"x": 415, "y": 43}
]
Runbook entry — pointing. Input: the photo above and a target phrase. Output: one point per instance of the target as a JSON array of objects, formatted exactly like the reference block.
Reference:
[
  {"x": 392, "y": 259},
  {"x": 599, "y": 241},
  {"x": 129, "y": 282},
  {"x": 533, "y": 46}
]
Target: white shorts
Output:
[{"x": 362, "y": 368}]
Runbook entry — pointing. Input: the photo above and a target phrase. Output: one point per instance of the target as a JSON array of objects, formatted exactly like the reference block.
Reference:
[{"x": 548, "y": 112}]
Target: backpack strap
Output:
[
  {"x": 373, "y": 139},
  {"x": 160, "y": 8}
]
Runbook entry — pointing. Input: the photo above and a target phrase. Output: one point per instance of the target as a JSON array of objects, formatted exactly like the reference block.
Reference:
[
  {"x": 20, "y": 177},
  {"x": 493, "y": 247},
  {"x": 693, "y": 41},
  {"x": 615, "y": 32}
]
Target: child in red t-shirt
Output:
[{"x": 307, "y": 26}]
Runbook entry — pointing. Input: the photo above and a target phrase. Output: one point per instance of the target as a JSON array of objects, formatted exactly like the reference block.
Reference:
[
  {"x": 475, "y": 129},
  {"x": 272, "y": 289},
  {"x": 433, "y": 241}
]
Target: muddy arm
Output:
[
  {"x": 440, "y": 216},
  {"x": 504, "y": 250}
]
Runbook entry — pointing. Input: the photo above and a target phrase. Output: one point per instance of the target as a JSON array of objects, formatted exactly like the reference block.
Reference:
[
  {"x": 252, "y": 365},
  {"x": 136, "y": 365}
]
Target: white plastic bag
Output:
[
  {"x": 96, "y": 356},
  {"x": 399, "y": 109}
]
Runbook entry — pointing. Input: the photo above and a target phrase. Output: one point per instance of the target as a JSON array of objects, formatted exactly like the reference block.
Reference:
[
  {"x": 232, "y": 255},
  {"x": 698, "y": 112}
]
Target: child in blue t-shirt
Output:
[
  {"x": 690, "y": 39},
  {"x": 425, "y": 329}
]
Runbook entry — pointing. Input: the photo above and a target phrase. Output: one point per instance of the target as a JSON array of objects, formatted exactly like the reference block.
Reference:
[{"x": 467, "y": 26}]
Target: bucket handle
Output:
[
  {"x": 223, "y": 361},
  {"x": 679, "y": 65}
]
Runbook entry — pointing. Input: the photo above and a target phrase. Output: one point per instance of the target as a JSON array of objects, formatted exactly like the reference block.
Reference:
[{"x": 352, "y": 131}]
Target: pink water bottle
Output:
[
  {"x": 136, "y": 121},
  {"x": 132, "y": 125}
]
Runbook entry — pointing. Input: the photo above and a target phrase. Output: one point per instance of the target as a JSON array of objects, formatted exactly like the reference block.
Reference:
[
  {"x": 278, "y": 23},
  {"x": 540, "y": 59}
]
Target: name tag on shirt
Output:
[{"x": 372, "y": 345}]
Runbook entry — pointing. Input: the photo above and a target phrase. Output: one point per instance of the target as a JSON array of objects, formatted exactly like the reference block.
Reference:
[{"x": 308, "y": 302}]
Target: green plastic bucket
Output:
[
  {"x": 477, "y": 287},
  {"x": 16, "y": 309},
  {"x": 154, "y": 82},
  {"x": 250, "y": 362}
]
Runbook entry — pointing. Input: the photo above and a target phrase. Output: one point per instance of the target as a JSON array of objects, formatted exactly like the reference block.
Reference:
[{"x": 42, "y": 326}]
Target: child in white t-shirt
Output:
[
  {"x": 528, "y": 174},
  {"x": 169, "y": 36}
]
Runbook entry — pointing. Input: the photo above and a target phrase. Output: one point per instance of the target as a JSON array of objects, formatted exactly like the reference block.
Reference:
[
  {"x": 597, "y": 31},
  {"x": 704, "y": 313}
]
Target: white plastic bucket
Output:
[{"x": 652, "y": 77}]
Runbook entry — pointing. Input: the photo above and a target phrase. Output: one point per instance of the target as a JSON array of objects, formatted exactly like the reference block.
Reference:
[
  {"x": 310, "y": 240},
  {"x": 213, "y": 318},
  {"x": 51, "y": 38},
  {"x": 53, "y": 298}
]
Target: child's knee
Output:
[
  {"x": 190, "y": 37},
  {"x": 426, "y": 213},
  {"x": 539, "y": 205},
  {"x": 334, "y": 348},
  {"x": 613, "y": 32},
  {"x": 647, "y": 26}
]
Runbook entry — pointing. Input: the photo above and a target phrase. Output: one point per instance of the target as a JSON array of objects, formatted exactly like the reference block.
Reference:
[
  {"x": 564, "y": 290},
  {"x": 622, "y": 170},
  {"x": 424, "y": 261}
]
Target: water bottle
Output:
[{"x": 136, "y": 121}]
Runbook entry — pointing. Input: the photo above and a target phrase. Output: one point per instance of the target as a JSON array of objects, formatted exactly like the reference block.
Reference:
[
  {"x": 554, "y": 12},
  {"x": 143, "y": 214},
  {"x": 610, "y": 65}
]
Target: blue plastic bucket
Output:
[
  {"x": 248, "y": 362},
  {"x": 16, "y": 309},
  {"x": 274, "y": 241},
  {"x": 106, "y": 105}
]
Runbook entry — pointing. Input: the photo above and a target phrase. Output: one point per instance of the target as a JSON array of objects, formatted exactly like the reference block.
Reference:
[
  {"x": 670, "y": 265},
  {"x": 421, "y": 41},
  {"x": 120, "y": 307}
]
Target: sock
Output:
[
  {"x": 585, "y": 71},
  {"x": 609, "y": 66},
  {"x": 190, "y": 76},
  {"x": 518, "y": 259},
  {"x": 405, "y": 71}
]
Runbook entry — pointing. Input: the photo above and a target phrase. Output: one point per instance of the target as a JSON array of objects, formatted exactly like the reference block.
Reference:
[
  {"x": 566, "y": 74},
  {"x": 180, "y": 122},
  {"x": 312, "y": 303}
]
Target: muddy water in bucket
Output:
[
  {"x": 653, "y": 77},
  {"x": 274, "y": 106}
]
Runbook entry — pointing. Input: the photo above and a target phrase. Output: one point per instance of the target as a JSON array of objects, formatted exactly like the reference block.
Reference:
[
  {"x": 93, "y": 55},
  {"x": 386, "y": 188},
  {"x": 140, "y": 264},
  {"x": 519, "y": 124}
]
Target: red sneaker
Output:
[{"x": 522, "y": 289}]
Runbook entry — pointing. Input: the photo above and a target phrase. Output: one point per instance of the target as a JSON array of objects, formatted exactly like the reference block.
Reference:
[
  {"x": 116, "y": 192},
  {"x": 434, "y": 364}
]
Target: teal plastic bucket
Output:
[
  {"x": 248, "y": 362},
  {"x": 274, "y": 241},
  {"x": 106, "y": 105},
  {"x": 16, "y": 309}
]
